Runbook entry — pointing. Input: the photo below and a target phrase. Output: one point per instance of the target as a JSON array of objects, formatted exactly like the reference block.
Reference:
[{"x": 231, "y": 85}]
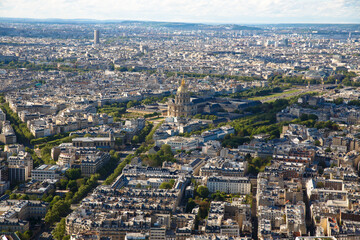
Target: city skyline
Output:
[
  {"x": 236, "y": 12},
  {"x": 164, "y": 120}
]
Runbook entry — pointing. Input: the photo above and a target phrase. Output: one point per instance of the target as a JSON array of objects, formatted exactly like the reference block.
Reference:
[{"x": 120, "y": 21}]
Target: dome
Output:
[{"x": 182, "y": 87}]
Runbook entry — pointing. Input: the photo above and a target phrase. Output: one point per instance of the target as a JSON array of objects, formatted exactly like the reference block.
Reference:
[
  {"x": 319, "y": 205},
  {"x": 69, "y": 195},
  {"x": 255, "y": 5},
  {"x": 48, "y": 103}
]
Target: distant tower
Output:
[
  {"x": 286, "y": 42},
  {"x": 96, "y": 37}
]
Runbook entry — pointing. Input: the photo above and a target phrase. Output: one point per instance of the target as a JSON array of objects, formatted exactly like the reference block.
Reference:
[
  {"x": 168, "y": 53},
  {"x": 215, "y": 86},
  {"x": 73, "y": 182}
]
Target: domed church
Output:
[{"x": 181, "y": 106}]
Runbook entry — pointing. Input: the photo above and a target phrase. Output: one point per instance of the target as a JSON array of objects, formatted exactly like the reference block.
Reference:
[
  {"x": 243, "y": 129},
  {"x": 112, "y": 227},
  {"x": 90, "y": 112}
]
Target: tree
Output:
[
  {"x": 304, "y": 117},
  {"x": 203, "y": 191},
  {"x": 72, "y": 186},
  {"x": 203, "y": 209},
  {"x": 13, "y": 196},
  {"x": 218, "y": 196},
  {"x": 25, "y": 236},
  {"x": 60, "y": 209},
  {"x": 163, "y": 155},
  {"x": 167, "y": 150},
  {"x": 257, "y": 165},
  {"x": 62, "y": 183},
  {"x": 339, "y": 101},
  {"x": 165, "y": 185},
  {"x": 190, "y": 205},
  {"x": 130, "y": 104},
  {"x": 73, "y": 173},
  {"x": 69, "y": 196},
  {"x": 135, "y": 139},
  {"x": 54, "y": 200},
  {"x": 59, "y": 230},
  {"x": 24, "y": 197},
  {"x": 313, "y": 117}
]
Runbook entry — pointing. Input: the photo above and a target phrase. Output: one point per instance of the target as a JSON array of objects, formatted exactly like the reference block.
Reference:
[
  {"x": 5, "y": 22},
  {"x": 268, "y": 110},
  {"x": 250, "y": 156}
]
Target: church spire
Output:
[{"x": 183, "y": 82}]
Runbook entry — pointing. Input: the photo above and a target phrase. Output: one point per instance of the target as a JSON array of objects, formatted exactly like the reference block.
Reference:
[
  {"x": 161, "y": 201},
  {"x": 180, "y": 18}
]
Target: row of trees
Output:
[
  {"x": 39, "y": 67},
  {"x": 44, "y": 140},
  {"x": 342, "y": 76},
  {"x": 142, "y": 135},
  {"x": 205, "y": 116},
  {"x": 117, "y": 171},
  {"x": 23, "y": 134},
  {"x": 154, "y": 114},
  {"x": 220, "y": 76},
  {"x": 297, "y": 80},
  {"x": 78, "y": 188},
  {"x": 59, "y": 231},
  {"x": 145, "y": 146}
]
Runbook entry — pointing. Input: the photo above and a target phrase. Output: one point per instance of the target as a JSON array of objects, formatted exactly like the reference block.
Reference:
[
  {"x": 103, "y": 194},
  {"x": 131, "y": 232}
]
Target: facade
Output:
[
  {"x": 14, "y": 225},
  {"x": 20, "y": 167},
  {"x": 90, "y": 164},
  {"x": 209, "y": 170},
  {"x": 66, "y": 159},
  {"x": 7, "y": 134},
  {"x": 23, "y": 159},
  {"x": 239, "y": 185},
  {"x": 158, "y": 233},
  {"x": 98, "y": 142},
  {"x": 18, "y": 173},
  {"x": 181, "y": 106}
]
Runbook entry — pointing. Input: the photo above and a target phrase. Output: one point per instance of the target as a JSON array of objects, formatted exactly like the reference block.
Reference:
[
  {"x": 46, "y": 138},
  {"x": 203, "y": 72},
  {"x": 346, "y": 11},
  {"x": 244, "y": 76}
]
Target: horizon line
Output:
[{"x": 162, "y": 21}]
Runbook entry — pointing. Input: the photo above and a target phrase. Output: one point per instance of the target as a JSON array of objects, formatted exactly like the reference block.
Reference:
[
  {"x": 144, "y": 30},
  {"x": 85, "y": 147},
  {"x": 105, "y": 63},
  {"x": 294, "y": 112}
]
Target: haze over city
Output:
[{"x": 200, "y": 11}]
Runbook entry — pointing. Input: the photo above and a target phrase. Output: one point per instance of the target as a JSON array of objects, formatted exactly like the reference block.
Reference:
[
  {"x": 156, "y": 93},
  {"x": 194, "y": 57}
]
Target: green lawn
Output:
[
  {"x": 289, "y": 97},
  {"x": 275, "y": 95}
]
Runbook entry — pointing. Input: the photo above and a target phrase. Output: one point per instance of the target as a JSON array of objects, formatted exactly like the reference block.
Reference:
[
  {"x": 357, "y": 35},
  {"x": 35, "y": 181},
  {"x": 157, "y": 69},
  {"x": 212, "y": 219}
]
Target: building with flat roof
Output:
[
  {"x": 179, "y": 143},
  {"x": 48, "y": 172}
]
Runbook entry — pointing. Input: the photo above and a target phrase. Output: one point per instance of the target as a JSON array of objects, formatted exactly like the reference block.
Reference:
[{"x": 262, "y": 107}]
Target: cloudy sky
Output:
[{"x": 205, "y": 11}]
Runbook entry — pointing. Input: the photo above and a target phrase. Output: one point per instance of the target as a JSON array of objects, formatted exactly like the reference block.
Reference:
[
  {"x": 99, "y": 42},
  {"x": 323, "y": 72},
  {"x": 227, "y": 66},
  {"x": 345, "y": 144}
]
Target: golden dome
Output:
[{"x": 182, "y": 87}]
